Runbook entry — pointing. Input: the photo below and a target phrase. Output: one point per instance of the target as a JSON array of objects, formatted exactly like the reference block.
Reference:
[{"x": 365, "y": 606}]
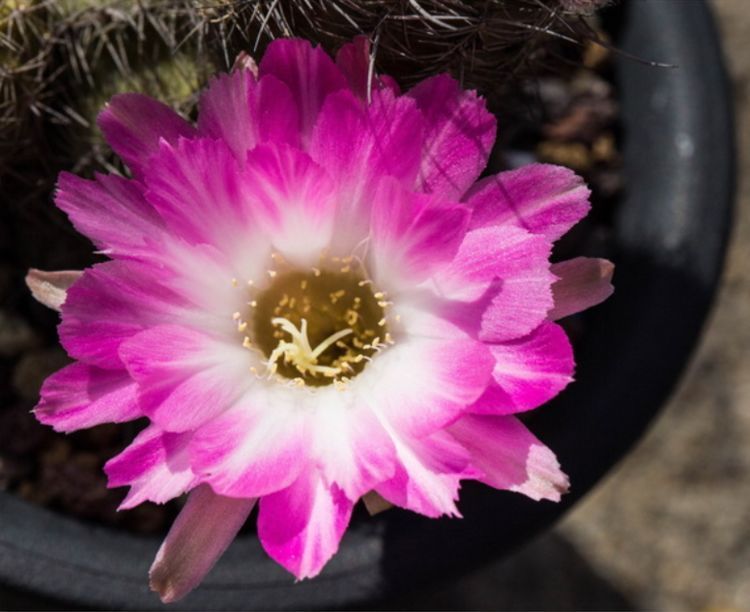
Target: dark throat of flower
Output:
[{"x": 317, "y": 327}]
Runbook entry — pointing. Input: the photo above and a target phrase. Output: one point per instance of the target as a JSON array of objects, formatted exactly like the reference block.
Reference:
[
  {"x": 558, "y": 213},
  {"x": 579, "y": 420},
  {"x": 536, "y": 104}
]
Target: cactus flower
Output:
[{"x": 312, "y": 298}]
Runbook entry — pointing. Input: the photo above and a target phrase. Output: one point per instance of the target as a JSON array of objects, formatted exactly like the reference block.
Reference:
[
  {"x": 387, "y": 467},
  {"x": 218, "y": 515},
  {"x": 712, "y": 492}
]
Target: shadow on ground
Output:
[{"x": 548, "y": 574}]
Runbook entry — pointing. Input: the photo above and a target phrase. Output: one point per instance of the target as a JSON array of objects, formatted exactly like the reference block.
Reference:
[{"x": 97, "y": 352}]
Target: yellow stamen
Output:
[{"x": 299, "y": 353}]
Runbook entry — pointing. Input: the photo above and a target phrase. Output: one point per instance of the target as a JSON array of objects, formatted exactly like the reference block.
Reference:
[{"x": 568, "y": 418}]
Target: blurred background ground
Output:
[{"x": 669, "y": 529}]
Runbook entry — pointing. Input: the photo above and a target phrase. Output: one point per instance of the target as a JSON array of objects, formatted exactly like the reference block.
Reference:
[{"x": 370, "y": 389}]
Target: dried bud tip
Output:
[{"x": 244, "y": 61}]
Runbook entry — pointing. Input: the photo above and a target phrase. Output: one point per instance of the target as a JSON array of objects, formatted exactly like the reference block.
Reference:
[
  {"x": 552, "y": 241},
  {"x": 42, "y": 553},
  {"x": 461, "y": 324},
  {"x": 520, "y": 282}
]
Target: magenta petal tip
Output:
[{"x": 202, "y": 532}]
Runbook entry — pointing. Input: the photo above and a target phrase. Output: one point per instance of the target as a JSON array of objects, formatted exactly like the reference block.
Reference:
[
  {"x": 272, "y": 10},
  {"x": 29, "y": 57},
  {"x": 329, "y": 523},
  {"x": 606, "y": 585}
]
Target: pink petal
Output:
[
  {"x": 207, "y": 277},
  {"x": 540, "y": 198},
  {"x": 498, "y": 283},
  {"x": 358, "y": 144},
  {"x": 257, "y": 447},
  {"x": 244, "y": 112},
  {"x": 50, "y": 288},
  {"x": 352, "y": 448},
  {"x": 412, "y": 234},
  {"x": 202, "y": 532},
  {"x": 309, "y": 74},
  {"x": 81, "y": 396},
  {"x": 353, "y": 59},
  {"x": 185, "y": 377},
  {"x": 428, "y": 475},
  {"x": 111, "y": 211},
  {"x": 156, "y": 466},
  {"x": 195, "y": 187},
  {"x": 398, "y": 129},
  {"x": 133, "y": 124},
  {"x": 583, "y": 282},
  {"x": 419, "y": 385},
  {"x": 529, "y": 371},
  {"x": 459, "y": 138},
  {"x": 510, "y": 456},
  {"x": 300, "y": 527},
  {"x": 419, "y": 312},
  {"x": 293, "y": 199},
  {"x": 112, "y": 302}
]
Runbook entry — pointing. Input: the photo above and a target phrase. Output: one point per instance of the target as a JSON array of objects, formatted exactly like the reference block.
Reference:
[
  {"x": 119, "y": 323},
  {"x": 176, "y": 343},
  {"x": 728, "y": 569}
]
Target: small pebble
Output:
[
  {"x": 16, "y": 335},
  {"x": 34, "y": 367}
]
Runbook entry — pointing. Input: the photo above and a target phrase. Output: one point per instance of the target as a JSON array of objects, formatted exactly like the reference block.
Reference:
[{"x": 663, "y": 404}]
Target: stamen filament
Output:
[
  {"x": 299, "y": 353},
  {"x": 329, "y": 341}
]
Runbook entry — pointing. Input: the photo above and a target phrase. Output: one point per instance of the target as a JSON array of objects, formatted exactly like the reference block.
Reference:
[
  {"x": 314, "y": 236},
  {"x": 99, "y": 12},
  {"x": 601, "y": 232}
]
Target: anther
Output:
[
  {"x": 351, "y": 317},
  {"x": 336, "y": 295}
]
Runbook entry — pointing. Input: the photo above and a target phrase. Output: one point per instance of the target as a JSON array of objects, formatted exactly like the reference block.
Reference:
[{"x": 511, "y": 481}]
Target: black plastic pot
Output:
[{"x": 671, "y": 234}]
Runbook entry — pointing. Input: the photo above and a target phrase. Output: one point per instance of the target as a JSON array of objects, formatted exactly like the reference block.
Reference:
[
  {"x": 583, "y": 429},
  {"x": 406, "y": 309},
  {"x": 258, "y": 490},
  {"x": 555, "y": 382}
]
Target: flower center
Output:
[{"x": 318, "y": 327}]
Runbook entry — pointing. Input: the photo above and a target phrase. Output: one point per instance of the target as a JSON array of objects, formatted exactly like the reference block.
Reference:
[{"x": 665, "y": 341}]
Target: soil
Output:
[{"x": 570, "y": 120}]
